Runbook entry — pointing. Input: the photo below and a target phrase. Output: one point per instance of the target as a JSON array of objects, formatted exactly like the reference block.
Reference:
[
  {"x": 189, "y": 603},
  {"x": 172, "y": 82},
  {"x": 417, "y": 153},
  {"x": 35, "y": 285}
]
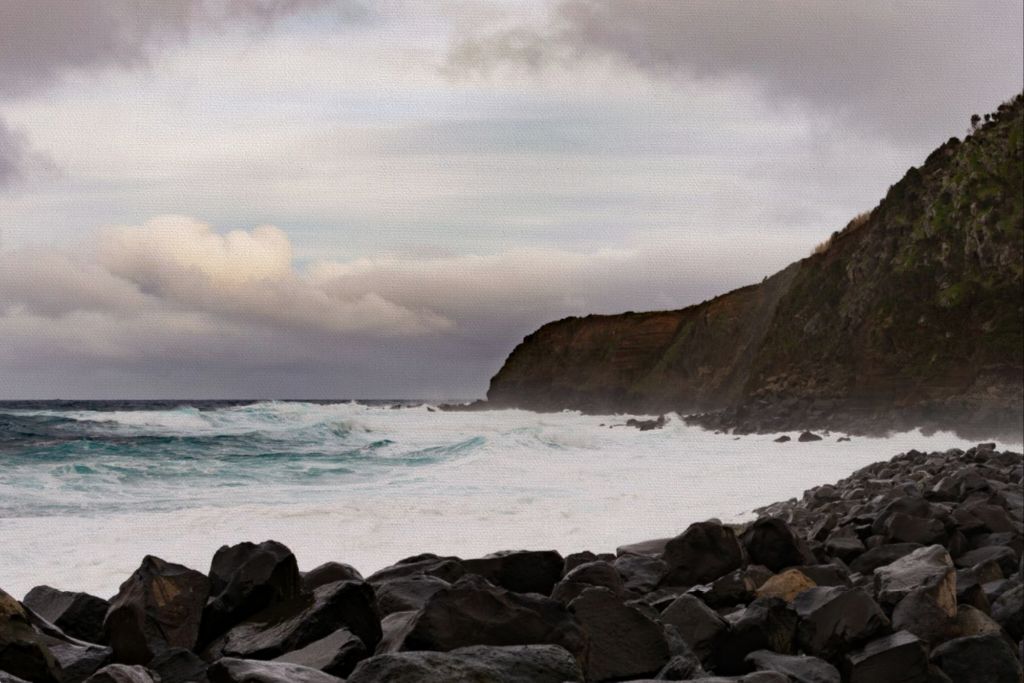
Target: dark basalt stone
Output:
[
  {"x": 480, "y": 664},
  {"x": 979, "y": 659},
  {"x": 447, "y": 568},
  {"x": 844, "y": 543},
  {"x": 232, "y": 670},
  {"x": 123, "y": 673},
  {"x": 921, "y": 614},
  {"x": 808, "y": 436},
  {"x": 699, "y": 625},
  {"x": 303, "y": 620},
  {"x": 881, "y": 555},
  {"x": 329, "y": 572},
  {"x": 783, "y": 439},
  {"x": 826, "y": 574},
  {"x": 336, "y": 654},
  {"x": 573, "y": 560},
  {"x": 624, "y": 643},
  {"x": 640, "y": 573},
  {"x": 654, "y": 547},
  {"x": 766, "y": 624},
  {"x": 522, "y": 571},
  {"x": 586, "y": 576},
  {"x": 771, "y": 542},
  {"x": 900, "y": 657},
  {"x": 1004, "y": 557},
  {"x": 701, "y": 554},
  {"x": 245, "y": 579},
  {"x": 835, "y": 620},
  {"x": 797, "y": 668},
  {"x": 79, "y": 615},
  {"x": 407, "y": 592},
  {"x": 159, "y": 607},
  {"x": 1008, "y": 611},
  {"x": 178, "y": 665},
  {"x": 928, "y": 568}
]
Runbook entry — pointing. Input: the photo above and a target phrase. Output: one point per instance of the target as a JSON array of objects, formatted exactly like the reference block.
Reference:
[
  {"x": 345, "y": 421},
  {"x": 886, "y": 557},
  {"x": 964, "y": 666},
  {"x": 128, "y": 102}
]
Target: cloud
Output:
[
  {"x": 19, "y": 161},
  {"x": 905, "y": 69}
]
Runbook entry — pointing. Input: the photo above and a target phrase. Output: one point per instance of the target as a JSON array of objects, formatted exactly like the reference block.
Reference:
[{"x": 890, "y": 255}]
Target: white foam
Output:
[{"x": 557, "y": 481}]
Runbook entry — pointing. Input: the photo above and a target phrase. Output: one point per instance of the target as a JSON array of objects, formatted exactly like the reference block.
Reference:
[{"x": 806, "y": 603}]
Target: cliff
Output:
[{"x": 911, "y": 315}]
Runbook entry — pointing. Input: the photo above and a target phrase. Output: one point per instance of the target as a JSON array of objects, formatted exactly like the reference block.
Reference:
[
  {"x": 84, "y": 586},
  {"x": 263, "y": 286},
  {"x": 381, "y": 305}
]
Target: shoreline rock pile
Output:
[{"x": 909, "y": 570}]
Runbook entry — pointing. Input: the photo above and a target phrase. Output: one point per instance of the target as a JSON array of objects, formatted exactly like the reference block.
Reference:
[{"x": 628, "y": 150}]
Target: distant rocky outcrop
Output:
[{"x": 912, "y": 315}]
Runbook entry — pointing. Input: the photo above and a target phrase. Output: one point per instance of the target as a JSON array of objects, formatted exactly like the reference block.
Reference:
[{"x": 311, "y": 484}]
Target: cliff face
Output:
[{"x": 911, "y": 313}]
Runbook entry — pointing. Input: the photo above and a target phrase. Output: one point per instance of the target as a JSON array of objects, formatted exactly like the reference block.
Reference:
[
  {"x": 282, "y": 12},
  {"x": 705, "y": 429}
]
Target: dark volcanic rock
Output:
[
  {"x": 407, "y": 592},
  {"x": 683, "y": 667},
  {"x": 900, "y": 657},
  {"x": 978, "y": 659},
  {"x": 123, "y": 673},
  {"x": 573, "y": 560},
  {"x": 1008, "y": 611},
  {"x": 623, "y": 642},
  {"x": 922, "y": 614},
  {"x": 771, "y": 542},
  {"x": 336, "y": 654},
  {"x": 300, "y": 621},
  {"x": 928, "y": 568},
  {"x": 1003, "y": 556},
  {"x": 522, "y": 571},
  {"x": 79, "y": 615},
  {"x": 245, "y": 579},
  {"x": 329, "y": 572},
  {"x": 767, "y": 624},
  {"x": 701, "y": 554},
  {"x": 654, "y": 547},
  {"x": 835, "y": 619},
  {"x": 479, "y": 664},
  {"x": 808, "y": 436},
  {"x": 447, "y": 568},
  {"x": 698, "y": 624},
  {"x": 178, "y": 665},
  {"x": 640, "y": 573},
  {"x": 157, "y": 608},
  {"x": 798, "y": 668},
  {"x": 586, "y": 576},
  {"x": 474, "y": 612},
  {"x": 783, "y": 439},
  {"x": 231, "y": 670},
  {"x": 881, "y": 555}
]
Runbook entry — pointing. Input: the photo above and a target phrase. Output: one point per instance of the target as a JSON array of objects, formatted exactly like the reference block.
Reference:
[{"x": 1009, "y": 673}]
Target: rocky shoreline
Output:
[{"x": 909, "y": 570}]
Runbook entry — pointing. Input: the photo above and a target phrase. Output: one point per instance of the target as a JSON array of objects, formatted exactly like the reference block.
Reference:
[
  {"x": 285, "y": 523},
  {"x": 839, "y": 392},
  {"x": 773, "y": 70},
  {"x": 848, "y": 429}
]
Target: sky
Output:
[{"x": 342, "y": 199}]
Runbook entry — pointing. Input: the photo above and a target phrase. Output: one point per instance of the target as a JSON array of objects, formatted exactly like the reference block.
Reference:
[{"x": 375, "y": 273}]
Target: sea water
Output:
[{"x": 88, "y": 489}]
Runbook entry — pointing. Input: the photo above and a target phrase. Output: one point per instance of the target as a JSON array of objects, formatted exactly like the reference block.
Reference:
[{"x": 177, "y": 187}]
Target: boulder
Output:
[
  {"x": 157, "y": 608},
  {"x": 897, "y": 658},
  {"x": 808, "y": 436},
  {"x": 336, "y": 653},
  {"x": 701, "y": 554},
  {"x": 573, "y": 560},
  {"x": 901, "y": 527},
  {"x": 77, "y": 659},
  {"x": 329, "y": 572},
  {"x": 447, "y": 568},
  {"x": 475, "y": 612},
  {"x": 624, "y": 643},
  {"x": 844, "y": 543},
  {"x": 826, "y": 574},
  {"x": 522, "y": 571},
  {"x": 640, "y": 573},
  {"x": 232, "y": 670},
  {"x": 771, "y": 542},
  {"x": 699, "y": 625},
  {"x": 729, "y": 590},
  {"x": 1008, "y": 611},
  {"x": 798, "y": 668},
  {"x": 921, "y": 614},
  {"x": 929, "y": 568},
  {"x": 971, "y": 621},
  {"x": 294, "y": 624},
  {"x": 123, "y": 673},
  {"x": 480, "y": 664},
  {"x": 407, "y": 592},
  {"x": 79, "y": 615},
  {"x": 786, "y": 585},
  {"x": 1003, "y": 556},
  {"x": 681, "y": 668},
  {"x": 10, "y": 678},
  {"x": 783, "y": 439},
  {"x": 766, "y": 624},
  {"x": 178, "y": 665},
  {"x": 978, "y": 659},
  {"x": 393, "y": 628},
  {"x": 836, "y": 619},
  {"x": 881, "y": 555},
  {"x": 587, "y": 575},
  {"x": 245, "y": 579},
  {"x": 654, "y": 547}
]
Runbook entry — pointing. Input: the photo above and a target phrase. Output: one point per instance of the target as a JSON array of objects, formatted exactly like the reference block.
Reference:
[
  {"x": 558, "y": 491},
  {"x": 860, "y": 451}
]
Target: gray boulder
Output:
[{"x": 479, "y": 664}]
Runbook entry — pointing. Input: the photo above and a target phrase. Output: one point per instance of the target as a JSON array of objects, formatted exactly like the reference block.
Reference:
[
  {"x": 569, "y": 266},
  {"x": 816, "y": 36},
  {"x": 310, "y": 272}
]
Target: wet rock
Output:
[
  {"x": 766, "y": 624},
  {"x": 77, "y": 659},
  {"x": 336, "y": 654},
  {"x": 407, "y": 592},
  {"x": 881, "y": 555},
  {"x": 447, "y": 568},
  {"x": 393, "y": 628},
  {"x": 978, "y": 659},
  {"x": 585, "y": 576},
  {"x": 480, "y": 664},
  {"x": 157, "y": 608},
  {"x": 844, "y": 543},
  {"x": 1004, "y": 557},
  {"x": 123, "y": 673},
  {"x": 294, "y": 624},
  {"x": 522, "y": 571},
  {"x": 783, "y": 439},
  {"x": 474, "y": 612},
  {"x": 647, "y": 425},
  {"x": 797, "y": 668},
  {"x": 929, "y": 568},
  {"x": 654, "y": 547},
  {"x": 79, "y": 615},
  {"x": 732, "y": 589},
  {"x": 835, "y": 620},
  {"x": 808, "y": 436},
  {"x": 701, "y": 554},
  {"x": 624, "y": 642},
  {"x": 771, "y": 542},
  {"x": 329, "y": 572},
  {"x": 1008, "y": 611},
  {"x": 897, "y": 658},
  {"x": 698, "y": 624},
  {"x": 245, "y": 579},
  {"x": 23, "y": 651},
  {"x": 178, "y": 665},
  {"x": 232, "y": 670},
  {"x": 640, "y": 573},
  {"x": 786, "y": 585}
]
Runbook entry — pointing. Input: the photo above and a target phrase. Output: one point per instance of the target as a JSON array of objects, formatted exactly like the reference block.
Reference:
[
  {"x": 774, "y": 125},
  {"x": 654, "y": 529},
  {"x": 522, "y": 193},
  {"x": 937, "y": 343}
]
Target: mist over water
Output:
[{"x": 86, "y": 490}]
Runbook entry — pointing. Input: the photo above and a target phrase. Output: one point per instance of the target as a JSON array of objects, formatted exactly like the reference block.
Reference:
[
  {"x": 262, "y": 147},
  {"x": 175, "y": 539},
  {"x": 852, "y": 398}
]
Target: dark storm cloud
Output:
[{"x": 906, "y": 69}]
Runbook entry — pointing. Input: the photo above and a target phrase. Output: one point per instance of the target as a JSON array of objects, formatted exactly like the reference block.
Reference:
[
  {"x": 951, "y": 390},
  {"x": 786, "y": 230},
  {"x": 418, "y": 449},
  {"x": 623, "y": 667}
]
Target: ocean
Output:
[{"x": 88, "y": 488}]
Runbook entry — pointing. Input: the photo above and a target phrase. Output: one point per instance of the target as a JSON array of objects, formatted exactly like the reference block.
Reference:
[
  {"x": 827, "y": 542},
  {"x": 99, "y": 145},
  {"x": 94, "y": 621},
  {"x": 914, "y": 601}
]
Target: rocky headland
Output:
[
  {"x": 910, "y": 316},
  {"x": 907, "y": 571}
]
